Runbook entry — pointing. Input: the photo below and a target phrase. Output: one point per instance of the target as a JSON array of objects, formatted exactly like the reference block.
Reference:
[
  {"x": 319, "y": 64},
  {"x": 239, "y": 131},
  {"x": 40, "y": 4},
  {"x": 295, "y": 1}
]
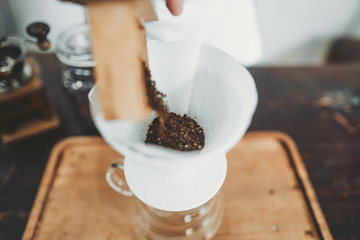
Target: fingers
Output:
[{"x": 175, "y": 6}]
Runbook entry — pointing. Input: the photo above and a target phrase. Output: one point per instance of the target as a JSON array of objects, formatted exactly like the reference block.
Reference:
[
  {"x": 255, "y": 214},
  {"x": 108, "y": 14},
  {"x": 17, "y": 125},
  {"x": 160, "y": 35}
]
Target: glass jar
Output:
[{"x": 74, "y": 52}]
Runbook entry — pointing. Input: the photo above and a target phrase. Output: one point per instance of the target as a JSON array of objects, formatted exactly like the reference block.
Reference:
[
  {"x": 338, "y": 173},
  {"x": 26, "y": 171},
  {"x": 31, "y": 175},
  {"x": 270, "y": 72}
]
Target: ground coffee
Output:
[
  {"x": 170, "y": 129},
  {"x": 179, "y": 132}
]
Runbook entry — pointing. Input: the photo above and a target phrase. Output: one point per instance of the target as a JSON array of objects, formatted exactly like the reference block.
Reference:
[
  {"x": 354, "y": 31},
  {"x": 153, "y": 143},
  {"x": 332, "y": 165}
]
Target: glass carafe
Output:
[{"x": 201, "y": 222}]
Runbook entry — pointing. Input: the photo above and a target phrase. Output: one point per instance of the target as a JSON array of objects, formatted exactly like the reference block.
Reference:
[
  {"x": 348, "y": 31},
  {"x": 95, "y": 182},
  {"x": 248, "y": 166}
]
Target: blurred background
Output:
[
  {"x": 277, "y": 32},
  {"x": 304, "y": 56}
]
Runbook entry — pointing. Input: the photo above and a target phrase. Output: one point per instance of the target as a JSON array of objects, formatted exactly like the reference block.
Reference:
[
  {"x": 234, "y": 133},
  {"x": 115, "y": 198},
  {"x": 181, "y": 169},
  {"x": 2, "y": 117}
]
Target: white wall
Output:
[
  {"x": 292, "y": 32},
  {"x": 299, "y": 32},
  {"x": 7, "y": 21},
  {"x": 59, "y": 15}
]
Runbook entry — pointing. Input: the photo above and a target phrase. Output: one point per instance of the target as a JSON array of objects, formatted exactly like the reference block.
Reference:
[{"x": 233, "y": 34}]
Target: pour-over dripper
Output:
[{"x": 206, "y": 84}]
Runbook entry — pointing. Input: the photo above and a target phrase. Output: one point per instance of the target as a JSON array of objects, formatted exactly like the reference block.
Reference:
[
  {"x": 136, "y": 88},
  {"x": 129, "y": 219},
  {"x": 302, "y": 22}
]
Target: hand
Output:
[{"x": 175, "y": 6}]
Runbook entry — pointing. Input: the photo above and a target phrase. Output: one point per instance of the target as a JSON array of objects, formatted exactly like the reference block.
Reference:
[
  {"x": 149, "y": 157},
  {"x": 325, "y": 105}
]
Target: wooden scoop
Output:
[{"x": 119, "y": 49}]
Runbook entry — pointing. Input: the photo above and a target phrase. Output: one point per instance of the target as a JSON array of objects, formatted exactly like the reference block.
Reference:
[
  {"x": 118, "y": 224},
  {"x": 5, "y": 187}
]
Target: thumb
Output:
[{"x": 175, "y": 6}]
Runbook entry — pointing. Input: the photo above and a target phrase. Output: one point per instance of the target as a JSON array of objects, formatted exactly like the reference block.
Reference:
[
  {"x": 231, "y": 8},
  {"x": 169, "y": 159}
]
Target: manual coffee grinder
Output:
[{"x": 25, "y": 107}]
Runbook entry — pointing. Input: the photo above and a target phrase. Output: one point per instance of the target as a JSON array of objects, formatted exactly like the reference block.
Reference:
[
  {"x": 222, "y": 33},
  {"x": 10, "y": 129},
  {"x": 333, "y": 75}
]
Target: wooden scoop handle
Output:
[{"x": 119, "y": 49}]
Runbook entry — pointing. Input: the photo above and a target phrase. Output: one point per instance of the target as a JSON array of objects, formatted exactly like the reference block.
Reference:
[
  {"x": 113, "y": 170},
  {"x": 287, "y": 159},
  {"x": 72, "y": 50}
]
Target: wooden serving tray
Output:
[{"x": 267, "y": 194}]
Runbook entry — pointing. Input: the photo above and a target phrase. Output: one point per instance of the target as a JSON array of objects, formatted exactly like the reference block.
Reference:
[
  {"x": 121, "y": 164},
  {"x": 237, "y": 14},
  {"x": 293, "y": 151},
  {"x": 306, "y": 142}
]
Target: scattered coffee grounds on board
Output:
[
  {"x": 181, "y": 133},
  {"x": 170, "y": 129}
]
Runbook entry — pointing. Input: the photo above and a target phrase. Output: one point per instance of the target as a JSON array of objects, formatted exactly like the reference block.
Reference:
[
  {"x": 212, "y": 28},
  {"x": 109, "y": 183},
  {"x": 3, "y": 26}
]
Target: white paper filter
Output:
[{"x": 208, "y": 85}]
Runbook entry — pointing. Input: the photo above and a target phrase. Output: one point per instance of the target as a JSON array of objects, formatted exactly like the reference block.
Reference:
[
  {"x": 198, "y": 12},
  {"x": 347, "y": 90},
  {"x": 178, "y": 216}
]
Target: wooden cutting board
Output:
[{"x": 267, "y": 194}]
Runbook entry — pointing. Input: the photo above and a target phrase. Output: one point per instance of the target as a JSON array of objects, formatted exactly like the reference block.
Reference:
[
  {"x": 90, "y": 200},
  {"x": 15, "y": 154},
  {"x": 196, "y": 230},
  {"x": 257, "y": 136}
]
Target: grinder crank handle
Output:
[{"x": 39, "y": 30}]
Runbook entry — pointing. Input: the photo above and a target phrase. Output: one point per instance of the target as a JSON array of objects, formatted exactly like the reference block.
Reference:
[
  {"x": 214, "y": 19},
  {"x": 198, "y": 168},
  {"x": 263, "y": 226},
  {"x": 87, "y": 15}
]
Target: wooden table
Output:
[{"x": 318, "y": 107}]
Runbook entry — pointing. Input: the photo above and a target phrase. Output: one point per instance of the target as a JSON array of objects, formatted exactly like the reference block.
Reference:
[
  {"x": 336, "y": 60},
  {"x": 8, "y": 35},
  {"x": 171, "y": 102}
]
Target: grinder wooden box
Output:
[
  {"x": 267, "y": 194},
  {"x": 28, "y": 110}
]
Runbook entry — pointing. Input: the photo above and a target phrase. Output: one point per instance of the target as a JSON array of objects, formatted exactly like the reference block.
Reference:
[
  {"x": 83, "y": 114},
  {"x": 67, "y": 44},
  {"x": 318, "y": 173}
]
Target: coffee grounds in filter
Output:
[
  {"x": 180, "y": 132},
  {"x": 170, "y": 129}
]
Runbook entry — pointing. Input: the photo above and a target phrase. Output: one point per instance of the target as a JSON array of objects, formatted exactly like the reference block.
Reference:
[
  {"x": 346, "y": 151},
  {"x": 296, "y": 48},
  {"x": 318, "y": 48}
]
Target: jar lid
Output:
[{"x": 74, "y": 46}]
